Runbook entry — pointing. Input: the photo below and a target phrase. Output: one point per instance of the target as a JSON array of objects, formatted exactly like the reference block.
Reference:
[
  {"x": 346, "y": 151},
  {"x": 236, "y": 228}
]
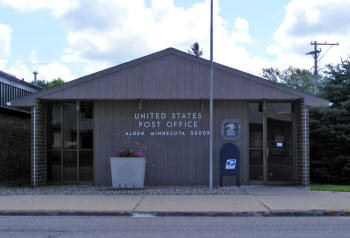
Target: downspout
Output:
[
  {"x": 34, "y": 135},
  {"x": 34, "y": 148}
]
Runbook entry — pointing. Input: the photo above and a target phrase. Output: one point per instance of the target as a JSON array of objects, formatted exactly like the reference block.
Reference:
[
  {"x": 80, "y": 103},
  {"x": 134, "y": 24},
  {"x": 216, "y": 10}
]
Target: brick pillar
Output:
[
  {"x": 38, "y": 166},
  {"x": 303, "y": 146}
]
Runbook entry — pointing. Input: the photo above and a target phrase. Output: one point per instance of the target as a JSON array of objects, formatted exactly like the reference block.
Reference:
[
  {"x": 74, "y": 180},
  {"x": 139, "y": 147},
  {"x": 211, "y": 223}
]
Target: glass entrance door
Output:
[
  {"x": 70, "y": 143},
  {"x": 279, "y": 166}
]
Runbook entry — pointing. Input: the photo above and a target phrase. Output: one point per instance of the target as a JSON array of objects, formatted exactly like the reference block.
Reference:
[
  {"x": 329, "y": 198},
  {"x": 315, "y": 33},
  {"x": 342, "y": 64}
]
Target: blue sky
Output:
[
  {"x": 37, "y": 31},
  {"x": 71, "y": 38}
]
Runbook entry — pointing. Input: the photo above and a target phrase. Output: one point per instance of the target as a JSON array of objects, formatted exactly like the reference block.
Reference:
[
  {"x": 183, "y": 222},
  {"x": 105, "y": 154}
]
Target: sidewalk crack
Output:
[
  {"x": 138, "y": 203},
  {"x": 263, "y": 204}
]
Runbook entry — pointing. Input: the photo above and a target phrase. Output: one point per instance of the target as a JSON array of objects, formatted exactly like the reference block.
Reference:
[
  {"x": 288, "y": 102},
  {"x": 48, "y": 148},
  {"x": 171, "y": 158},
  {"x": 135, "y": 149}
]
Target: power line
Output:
[
  {"x": 315, "y": 53},
  {"x": 46, "y": 63},
  {"x": 321, "y": 57}
]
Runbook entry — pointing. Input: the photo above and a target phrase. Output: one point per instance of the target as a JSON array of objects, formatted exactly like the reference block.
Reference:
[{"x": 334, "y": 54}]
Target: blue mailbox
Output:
[{"x": 229, "y": 162}]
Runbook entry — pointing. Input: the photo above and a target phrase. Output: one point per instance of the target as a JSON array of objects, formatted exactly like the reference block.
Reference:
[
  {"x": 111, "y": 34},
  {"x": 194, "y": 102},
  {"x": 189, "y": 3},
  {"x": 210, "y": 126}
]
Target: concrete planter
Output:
[{"x": 128, "y": 172}]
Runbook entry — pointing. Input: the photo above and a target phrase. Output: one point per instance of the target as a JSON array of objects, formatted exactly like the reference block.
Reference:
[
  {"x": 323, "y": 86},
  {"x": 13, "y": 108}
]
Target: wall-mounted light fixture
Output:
[{"x": 139, "y": 104}]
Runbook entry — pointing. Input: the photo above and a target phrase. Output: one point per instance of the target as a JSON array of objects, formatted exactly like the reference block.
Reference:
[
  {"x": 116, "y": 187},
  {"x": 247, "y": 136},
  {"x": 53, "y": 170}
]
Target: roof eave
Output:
[
  {"x": 309, "y": 100},
  {"x": 27, "y": 101}
]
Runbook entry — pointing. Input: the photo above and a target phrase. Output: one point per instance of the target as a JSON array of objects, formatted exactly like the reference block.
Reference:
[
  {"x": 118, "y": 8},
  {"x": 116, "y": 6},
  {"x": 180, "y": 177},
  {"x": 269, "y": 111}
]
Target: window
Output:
[
  {"x": 86, "y": 142},
  {"x": 279, "y": 107},
  {"x": 70, "y": 142},
  {"x": 255, "y": 141}
]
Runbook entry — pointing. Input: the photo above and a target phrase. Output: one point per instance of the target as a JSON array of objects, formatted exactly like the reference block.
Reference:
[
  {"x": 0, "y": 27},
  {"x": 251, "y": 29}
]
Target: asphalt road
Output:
[{"x": 168, "y": 227}]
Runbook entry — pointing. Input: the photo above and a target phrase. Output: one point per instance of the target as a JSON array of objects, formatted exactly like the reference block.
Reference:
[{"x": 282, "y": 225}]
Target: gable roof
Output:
[{"x": 169, "y": 74}]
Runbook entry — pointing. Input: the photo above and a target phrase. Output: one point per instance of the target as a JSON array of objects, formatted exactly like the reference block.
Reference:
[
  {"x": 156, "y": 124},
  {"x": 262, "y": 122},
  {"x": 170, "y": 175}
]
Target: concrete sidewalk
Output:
[{"x": 259, "y": 201}]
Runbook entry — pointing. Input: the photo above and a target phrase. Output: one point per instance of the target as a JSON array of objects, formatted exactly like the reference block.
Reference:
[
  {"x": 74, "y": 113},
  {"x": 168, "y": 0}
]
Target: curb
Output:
[{"x": 276, "y": 213}]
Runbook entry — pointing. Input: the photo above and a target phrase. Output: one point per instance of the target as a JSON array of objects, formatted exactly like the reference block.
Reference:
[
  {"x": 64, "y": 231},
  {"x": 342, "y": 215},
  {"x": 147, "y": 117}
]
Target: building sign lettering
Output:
[{"x": 167, "y": 124}]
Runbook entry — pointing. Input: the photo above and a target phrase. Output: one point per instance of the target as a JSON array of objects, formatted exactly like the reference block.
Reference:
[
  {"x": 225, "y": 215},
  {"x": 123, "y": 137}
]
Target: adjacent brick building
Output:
[{"x": 15, "y": 130}]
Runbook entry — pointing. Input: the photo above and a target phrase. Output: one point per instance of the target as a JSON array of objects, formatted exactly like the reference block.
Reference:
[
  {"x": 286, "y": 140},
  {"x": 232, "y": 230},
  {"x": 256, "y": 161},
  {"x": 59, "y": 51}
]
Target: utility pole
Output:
[
  {"x": 211, "y": 95},
  {"x": 315, "y": 53}
]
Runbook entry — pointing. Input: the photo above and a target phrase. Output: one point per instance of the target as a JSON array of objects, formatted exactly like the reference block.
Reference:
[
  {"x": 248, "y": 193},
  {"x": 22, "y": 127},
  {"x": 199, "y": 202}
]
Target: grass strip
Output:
[{"x": 330, "y": 187}]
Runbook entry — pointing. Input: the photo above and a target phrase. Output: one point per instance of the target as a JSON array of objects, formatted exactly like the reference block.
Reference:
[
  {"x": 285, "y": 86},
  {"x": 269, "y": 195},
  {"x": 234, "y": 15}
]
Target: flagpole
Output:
[{"x": 211, "y": 100}]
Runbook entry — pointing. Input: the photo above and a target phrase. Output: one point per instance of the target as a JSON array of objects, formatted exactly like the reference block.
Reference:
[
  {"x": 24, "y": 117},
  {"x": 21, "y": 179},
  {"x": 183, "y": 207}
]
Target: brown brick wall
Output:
[
  {"x": 303, "y": 152},
  {"x": 14, "y": 147},
  {"x": 38, "y": 171}
]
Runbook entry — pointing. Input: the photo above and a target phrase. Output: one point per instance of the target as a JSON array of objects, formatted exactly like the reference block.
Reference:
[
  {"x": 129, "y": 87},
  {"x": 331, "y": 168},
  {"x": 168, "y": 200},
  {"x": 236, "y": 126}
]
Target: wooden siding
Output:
[
  {"x": 171, "y": 160},
  {"x": 170, "y": 74},
  {"x": 169, "y": 77}
]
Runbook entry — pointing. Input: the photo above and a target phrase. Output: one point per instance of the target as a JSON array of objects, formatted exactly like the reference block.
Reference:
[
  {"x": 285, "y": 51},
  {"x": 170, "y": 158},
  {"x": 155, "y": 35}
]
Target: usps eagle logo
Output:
[{"x": 230, "y": 129}]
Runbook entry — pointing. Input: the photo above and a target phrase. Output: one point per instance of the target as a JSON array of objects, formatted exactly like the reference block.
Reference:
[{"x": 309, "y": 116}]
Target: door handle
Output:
[{"x": 267, "y": 152}]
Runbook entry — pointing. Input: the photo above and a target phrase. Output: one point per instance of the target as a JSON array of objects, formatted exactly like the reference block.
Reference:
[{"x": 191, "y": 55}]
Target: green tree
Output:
[
  {"x": 330, "y": 128},
  {"x": 300, "y": 79},
  {"x": 49, "y": 84},
  {"x": 195, "y": 50},
  {"x": 272, "y": 74}
]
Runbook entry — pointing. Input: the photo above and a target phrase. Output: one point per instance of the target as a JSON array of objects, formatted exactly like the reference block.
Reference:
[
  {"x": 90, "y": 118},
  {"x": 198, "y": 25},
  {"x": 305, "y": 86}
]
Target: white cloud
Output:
[
  {"x": 102, "y": 33},
  {"x": 58, "y": 7},
  {"x": 54, "y": 70},
  {"x": 24, "y": 68},
  {"x": 48, "y": 71},
  {"x": 313, "y": 20},
  {"x": 5, "y": 40},
  {"x": 241, "y": 31},
  {"x": 111, "y": 32}
]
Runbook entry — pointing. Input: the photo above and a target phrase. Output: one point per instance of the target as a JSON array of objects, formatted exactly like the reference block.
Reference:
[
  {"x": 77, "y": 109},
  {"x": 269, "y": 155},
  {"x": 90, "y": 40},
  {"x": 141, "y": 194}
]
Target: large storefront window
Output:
[
  {"x": 256, "y": 147},
  {"x": 70, "y": 143},
  {"x": 85, "y": 142},
  {"x": 55, "y": 126}
]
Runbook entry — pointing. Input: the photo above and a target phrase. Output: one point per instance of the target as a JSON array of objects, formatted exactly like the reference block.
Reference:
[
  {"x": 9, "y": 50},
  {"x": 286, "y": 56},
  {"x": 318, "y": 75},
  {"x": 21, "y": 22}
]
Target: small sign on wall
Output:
[{"x": 231, "y": 129}]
